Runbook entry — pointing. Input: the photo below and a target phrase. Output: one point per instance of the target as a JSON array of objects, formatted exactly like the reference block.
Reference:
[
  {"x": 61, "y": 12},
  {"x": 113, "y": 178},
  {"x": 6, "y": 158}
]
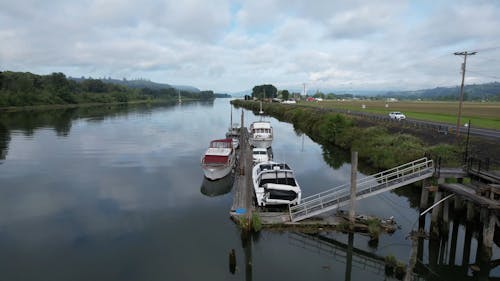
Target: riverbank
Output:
[{"x": 378, "y": 146}]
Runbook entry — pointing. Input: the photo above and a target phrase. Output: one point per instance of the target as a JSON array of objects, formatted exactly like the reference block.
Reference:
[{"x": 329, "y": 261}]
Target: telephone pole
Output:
[{"x": 465, "y": 54}]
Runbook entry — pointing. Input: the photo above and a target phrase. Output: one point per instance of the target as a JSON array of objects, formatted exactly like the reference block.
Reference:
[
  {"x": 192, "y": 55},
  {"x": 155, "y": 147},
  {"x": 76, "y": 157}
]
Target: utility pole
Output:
[{"x": 465, "y": 54}]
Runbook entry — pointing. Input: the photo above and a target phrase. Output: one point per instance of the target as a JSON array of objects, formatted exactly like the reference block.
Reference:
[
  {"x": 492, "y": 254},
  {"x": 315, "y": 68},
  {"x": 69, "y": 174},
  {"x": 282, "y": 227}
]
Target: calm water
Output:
[{"x": 117, "y": 193}]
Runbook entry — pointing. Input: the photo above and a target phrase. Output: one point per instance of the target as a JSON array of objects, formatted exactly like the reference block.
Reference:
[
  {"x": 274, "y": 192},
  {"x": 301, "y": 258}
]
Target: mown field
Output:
[{"x": 482, "y": 115}]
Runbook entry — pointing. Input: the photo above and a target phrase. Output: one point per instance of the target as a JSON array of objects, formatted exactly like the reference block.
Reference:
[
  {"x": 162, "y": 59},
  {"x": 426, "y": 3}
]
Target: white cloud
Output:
[{"x": 233, "y": 45}]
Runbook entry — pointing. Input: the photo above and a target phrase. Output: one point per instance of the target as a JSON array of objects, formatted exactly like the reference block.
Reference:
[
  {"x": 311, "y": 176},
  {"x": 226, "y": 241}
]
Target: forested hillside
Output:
[{"x": 26, "y": 89}]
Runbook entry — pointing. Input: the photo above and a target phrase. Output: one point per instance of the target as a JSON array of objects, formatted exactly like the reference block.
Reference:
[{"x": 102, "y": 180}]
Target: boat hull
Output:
[
  {"x": 218, "y": 171},
  {"x": 261, "y": 143}
]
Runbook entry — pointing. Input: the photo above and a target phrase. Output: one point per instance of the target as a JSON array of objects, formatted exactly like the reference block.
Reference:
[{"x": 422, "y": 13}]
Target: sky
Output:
[{"x": 231, "y": 46}]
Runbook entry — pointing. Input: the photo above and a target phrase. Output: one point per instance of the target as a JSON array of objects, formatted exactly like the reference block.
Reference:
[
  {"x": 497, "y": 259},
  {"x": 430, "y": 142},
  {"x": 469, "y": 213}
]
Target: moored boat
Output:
[
  {"x": 274, "y": 184},
  {"x": 219, "y": 159},
  {"x": 234, "y": 133},
  {"x": 261, "y": 134},
  {"x": 260, "y": 155}
]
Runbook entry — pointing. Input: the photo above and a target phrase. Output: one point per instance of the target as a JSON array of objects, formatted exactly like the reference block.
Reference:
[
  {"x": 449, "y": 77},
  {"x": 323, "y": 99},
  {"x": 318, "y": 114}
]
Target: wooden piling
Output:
[
  {"x": 489, "y": 230},
  {"x": 354, "y": 170},
  {"x": 424, "y": 196},
  {"x": 435, "y": 211},
  {"x": 446, "y": 212},
  {"x": 470, "y": 211}
]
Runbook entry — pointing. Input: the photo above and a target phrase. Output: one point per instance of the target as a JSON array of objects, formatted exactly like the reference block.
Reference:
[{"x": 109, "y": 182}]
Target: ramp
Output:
[{"x": 365, "y": 187}]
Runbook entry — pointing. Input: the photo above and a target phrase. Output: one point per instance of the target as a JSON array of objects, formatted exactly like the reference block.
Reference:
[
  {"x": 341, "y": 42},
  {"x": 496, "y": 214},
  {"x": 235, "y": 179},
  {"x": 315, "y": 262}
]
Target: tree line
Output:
[
  {"x": 28, "y": 89},
  {"x": 268, "y": 91},
  {"x": 475, "y": 92}
]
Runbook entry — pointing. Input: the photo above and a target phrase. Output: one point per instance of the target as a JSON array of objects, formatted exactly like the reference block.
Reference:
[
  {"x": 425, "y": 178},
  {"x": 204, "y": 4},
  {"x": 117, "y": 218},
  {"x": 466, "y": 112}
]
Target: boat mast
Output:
[{"x": 231, "y": 124}]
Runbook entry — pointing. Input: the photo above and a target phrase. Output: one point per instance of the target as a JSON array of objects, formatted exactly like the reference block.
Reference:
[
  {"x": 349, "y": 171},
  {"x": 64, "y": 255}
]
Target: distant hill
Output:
[
  {"x": 186, "y": 88},
  {"x": 474, "y": 92},
  {"x": 142, "y": 83},
  {"x": 217, "y": 95}
]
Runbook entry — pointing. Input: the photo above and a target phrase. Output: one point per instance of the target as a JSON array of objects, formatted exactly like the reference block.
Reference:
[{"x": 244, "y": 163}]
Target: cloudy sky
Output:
[{"x": 229, "y": 46}]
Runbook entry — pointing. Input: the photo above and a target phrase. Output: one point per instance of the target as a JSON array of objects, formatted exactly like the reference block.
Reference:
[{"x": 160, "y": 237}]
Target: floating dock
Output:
[{"x": 243, "y": 206}]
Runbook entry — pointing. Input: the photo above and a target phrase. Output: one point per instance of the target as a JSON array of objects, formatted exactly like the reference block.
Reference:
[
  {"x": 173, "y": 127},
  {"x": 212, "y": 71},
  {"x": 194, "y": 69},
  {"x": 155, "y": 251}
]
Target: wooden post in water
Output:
[
  {"x": 435, "y": 211},
  {"x": 424, "y": 196},
  {"x": 242, "y": 119},
  {"x": 470, "y": 211},
  {"x": 354, "y": 170},
  {"x": 489, "y": 230}
]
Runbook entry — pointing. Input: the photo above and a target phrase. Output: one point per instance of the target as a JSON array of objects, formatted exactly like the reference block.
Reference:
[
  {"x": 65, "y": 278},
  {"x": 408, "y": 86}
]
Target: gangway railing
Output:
[{"x": 365, "y": 187}]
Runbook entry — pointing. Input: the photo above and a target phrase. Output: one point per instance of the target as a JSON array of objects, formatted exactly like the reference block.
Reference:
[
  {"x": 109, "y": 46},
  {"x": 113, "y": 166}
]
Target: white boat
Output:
[
  {"x": 260, "y": 155},
  {"x": 261, "y": 134},
  {"x": 219, "y": 159},
  {"x": 274, "y": 184},
  {"x": 234, "y": 133}
]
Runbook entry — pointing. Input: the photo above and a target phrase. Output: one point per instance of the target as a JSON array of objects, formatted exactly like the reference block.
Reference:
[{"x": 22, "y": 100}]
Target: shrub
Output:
[{"x": 256, "y": 223}]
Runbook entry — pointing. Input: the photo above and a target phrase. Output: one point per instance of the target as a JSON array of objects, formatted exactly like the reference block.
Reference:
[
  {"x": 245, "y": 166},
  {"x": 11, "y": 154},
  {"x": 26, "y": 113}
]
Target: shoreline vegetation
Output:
[
  {"x": 377, "y": 145},
  {"x": 26, "y": 91}
]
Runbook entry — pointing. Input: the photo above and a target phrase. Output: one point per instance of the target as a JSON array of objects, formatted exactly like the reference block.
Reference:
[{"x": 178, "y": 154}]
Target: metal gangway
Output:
[{"x": 365, "y": 187}]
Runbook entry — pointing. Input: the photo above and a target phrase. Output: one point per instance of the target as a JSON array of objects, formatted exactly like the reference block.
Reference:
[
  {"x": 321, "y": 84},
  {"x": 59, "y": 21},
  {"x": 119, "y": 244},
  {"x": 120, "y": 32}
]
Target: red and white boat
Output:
[{"x": 219, "y": 159}]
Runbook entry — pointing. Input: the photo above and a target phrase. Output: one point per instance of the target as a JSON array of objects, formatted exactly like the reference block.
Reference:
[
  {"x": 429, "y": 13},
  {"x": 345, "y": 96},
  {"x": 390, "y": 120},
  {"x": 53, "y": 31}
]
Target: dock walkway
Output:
[{"x": 242, "y": 189}]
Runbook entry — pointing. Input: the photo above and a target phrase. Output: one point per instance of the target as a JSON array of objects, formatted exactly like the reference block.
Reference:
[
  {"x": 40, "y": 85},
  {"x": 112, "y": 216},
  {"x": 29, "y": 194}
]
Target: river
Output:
[{"x": 117, "y": 193}]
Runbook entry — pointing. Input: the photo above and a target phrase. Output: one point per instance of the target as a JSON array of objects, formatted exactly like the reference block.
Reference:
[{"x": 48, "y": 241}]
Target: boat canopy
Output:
[
  {"x": 215, "y": 159},
  {"x": 222, "y": 143},
  {"x": 261, "y": 125}
]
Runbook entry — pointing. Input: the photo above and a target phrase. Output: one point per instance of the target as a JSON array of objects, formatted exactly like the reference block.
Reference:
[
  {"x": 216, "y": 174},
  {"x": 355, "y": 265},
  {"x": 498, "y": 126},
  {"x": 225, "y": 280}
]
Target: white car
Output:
[
  {"x": 260, "y": 155},
  {"x": 397, "y": 115}
]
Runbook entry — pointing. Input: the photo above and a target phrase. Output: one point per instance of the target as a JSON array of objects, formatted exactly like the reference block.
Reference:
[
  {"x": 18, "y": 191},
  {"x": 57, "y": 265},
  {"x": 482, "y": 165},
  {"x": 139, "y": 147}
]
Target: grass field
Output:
[{"x": 482, "y": 115}]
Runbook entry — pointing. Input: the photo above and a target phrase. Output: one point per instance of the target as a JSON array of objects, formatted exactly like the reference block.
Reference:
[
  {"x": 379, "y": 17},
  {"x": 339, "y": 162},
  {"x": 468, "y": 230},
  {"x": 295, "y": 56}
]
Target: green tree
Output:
[
  {"x": 264, "y": 91},
  {"x": 319, "y": 95},
  {"x": 285, "y": 94},
  {"x": 331, "y": 96}
]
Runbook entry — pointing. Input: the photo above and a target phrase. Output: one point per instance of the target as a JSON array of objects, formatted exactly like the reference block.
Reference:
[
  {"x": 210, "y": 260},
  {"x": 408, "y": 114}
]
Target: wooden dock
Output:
[
  {"x": 243, "y": 206},
  {"x": 243, "y": 196},
  {"x": 242, "y": 189}
]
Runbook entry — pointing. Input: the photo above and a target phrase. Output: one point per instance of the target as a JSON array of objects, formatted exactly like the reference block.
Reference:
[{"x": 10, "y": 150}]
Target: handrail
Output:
[
  {"x": 365, "y": 185},
  {"x": 364, "y": 178}
]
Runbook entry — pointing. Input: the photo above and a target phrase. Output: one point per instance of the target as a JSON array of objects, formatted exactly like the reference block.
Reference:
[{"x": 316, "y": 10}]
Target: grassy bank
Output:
[
  {"x": 376, "y": 146},
  {"x": 482, "y": 114}
]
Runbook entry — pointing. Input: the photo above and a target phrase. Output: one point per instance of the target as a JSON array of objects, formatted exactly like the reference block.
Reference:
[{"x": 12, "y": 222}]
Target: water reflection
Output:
[
  {"x": 450, "y": 253},
  {"x": 344, "y": 253},
  {"x": 61, "y": 120},
  {"x": 4, "y": 141},
  {"x": 334, "y": 156},
  {"x": 218, "y": 187}
]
